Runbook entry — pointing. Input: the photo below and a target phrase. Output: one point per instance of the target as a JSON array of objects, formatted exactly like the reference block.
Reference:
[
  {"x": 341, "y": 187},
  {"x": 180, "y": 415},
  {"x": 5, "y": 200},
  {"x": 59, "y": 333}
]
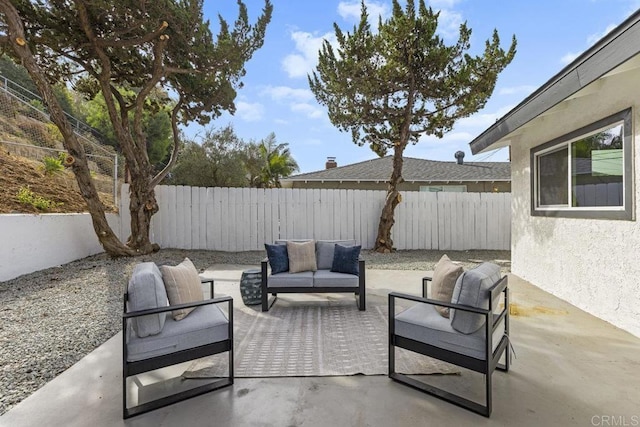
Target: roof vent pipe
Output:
[{"x": 459, "y": 156}]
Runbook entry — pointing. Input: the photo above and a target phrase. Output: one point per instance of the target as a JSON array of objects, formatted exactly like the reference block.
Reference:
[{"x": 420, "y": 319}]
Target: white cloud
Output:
[
  {"x": 449, "y": 23},
  {"x": 569, "y": 57},
  {"x": 524, "y": 89},
  {"x": 311, "y": 111},
  {"x": 250, "y": 112},
  {"x": 302, "y": 62},
  {"x": 350, "y": 11},
  {"x": 281, "y": 121},
  {"x": 283, "y": 93},
  {"x": 593, "y": 38},
  {"x": 439, "y": 4}
]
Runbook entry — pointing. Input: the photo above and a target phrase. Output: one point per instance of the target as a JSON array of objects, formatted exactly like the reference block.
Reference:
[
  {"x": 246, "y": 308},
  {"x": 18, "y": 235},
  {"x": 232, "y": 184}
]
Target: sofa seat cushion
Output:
[
  {"x": 328, "y": 279},
  {"x": 303, "y": 279},
  {"x": 146, "y": 291},
  {"x": 472, "y": 289},
  {"x": 423, "y": 323},
  {"x": 325, "y": 250},
  {"x": 204, "y": 325}
]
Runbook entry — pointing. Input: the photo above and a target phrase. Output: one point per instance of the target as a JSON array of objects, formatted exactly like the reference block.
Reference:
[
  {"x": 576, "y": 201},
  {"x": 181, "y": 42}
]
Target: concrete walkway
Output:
[{"x": 571, "y": 369}]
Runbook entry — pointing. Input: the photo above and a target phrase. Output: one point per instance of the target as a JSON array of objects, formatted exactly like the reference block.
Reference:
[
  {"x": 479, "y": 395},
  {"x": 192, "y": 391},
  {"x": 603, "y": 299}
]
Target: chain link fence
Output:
[{"x": 26, "y": 130}]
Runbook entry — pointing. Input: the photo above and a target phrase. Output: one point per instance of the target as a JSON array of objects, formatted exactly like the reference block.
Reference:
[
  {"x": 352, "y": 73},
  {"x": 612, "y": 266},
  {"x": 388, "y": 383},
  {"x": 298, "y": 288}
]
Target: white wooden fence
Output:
[{"x": 243, "y": 219}]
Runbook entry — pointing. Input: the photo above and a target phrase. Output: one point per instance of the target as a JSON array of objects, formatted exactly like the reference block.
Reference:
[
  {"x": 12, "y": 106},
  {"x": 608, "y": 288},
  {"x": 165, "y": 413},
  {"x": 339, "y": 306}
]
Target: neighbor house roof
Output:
[
  {"x": 617, "y": 47},
  {"x": 413, "y": 170}
]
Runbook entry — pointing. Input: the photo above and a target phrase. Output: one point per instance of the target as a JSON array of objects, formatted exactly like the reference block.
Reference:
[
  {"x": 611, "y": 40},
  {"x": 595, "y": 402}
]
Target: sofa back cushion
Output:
[
  {"x": 472, "y": 288},
  {"x": 146, "y": 291},
  {"x": 278, "y": 258},
  {"x": 302, "y": 256},
  {"x": 325, "y": 250},
  {"x": 444, "y": 280},
  {"x": 183, "y": 286}
]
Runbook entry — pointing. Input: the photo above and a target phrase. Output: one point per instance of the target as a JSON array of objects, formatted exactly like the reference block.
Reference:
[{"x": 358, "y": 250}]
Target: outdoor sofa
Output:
[{"x": 313, "y": 266}]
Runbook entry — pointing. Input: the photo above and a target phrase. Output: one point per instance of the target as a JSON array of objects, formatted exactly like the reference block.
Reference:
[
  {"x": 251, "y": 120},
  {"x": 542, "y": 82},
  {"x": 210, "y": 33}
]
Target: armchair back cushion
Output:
[
  {"x": 325, "y": 250},
  {"x": 444, "y": 280},
  {"x": 183, "y": 285},
  {"x": 472, "y": 289},
  {"x": 302, "y": 256},
  {"x": 146, "y": 291}
]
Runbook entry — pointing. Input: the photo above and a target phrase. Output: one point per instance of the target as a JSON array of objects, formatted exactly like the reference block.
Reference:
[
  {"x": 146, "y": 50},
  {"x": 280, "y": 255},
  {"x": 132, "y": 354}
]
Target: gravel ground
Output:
[{"x": 52, "y": 318}]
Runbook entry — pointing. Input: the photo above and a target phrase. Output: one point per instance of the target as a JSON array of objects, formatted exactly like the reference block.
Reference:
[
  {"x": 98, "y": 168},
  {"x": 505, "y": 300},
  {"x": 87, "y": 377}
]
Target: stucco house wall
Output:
[{"x": 591, "y": 263}]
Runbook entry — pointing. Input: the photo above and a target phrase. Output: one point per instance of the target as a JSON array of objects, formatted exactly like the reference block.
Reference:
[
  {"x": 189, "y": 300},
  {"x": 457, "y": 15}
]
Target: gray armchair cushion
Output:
[
  {"x": 472, "y": 289},
  {"x": 326, "y": 278},
  {"x": 423, "y": 323},
  {"x": 325, "y": 250},
  {"x": 146, "y": 291},
  {"x": 291, "y": 280},
  {"x": 204, "y": 325}
]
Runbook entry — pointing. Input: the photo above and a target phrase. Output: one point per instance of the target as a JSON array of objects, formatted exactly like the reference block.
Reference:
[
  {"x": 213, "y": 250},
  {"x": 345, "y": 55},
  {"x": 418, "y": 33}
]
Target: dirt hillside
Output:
[{"x": 17, "y": 173}]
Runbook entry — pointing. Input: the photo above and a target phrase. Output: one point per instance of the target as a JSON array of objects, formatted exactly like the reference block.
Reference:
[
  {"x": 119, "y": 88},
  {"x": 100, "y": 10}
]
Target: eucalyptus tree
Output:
[
  {"x": 390, "y": 87},
  {"x": 112, "y": 46}
]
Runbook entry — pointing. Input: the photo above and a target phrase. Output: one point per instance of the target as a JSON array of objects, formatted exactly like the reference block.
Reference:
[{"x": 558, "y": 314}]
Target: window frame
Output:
[{"x": 624, "y": 212}]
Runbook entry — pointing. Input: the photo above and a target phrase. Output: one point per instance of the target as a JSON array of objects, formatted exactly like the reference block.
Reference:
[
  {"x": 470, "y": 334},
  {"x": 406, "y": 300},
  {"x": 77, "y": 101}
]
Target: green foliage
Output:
[
  {"x": 217, "y": 162},
  {"x": 28, "y": 197},
  {"x": 225, "y": 160},
  {"x": 156, "y": 124},
  {"x": 268, "y": 161},
  {"x": 53, "y": 165},
  {"x": 391, "y": 86}
]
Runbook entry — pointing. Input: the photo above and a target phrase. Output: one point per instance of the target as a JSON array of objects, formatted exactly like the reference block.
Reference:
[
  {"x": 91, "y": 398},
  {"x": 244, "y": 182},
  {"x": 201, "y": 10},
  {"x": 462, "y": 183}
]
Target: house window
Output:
[
  {"x": 447, "y": 188},
  {"x": 586, "y": 173}
]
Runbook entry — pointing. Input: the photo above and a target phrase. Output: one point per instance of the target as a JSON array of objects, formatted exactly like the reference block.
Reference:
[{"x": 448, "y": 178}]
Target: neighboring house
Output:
[
  {"x": 575, "y": 157},
  {"x": 418, "y": 174}
]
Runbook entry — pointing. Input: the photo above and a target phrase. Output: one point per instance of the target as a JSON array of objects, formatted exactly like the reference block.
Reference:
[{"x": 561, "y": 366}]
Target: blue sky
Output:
[{"x": 276, "y": 96}]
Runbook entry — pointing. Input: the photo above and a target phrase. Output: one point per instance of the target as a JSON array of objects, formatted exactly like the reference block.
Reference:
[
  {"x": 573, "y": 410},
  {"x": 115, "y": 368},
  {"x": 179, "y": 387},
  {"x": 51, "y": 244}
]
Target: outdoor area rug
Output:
[{"x": 314, "y": 338}]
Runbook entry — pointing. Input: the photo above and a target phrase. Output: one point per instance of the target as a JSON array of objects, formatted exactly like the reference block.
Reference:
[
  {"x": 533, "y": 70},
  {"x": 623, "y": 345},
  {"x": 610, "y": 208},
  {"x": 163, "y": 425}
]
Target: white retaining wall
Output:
[{"x": 35, "y": 242}]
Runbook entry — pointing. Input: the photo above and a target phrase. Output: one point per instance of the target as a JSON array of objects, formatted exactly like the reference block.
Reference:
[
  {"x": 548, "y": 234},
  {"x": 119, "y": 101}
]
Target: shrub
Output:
[
  {"x": 28, "y": 197},
  {"x": 53, "y": 165}
]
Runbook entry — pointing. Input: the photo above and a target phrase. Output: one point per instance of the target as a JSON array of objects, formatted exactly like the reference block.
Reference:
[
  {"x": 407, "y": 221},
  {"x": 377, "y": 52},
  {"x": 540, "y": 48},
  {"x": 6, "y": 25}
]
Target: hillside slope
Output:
[{"x": 18, "y": 172}]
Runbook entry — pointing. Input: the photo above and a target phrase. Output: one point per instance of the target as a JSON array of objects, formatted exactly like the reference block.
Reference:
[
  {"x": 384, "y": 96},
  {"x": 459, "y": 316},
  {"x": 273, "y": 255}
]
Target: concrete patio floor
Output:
[{"x": 571, "y": 369}]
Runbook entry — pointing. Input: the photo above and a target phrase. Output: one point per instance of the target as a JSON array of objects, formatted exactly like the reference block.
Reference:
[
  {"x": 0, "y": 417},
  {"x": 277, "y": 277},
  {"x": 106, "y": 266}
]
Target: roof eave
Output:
[{"x": 617, "y": 47}]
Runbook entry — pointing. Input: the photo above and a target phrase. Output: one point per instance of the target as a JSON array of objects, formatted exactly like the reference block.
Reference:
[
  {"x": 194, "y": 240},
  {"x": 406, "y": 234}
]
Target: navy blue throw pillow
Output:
[
  {"x": 278, "y": 258},
  {"x": 345, "y": 259}
]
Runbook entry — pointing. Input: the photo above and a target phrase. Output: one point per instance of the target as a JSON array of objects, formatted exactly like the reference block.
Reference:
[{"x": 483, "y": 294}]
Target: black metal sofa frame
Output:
[
  {"x": 359, "y": 291},
  {"x": 486, "y": 366},
  {"x": 137, "y": 367}
]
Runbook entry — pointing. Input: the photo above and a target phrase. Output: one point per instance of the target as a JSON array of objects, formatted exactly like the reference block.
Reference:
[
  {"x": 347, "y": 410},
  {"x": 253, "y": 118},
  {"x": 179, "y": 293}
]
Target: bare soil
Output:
[{"x": 60, "y": 187}]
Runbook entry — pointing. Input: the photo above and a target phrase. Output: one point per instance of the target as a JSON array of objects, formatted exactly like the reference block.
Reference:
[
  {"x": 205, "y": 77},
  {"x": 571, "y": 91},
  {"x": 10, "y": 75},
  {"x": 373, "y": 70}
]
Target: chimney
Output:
[
  {"x": 331, "y": 163},
  {"x": 459, "y": 156}
]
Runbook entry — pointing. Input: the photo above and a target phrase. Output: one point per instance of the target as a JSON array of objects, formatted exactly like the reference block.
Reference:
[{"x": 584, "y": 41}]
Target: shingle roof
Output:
[{"x": 413, "y": 169}]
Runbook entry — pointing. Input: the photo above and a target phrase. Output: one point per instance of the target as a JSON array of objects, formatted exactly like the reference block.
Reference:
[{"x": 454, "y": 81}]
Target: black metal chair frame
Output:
[
  {"x": 486, "y": 366},
  {"x": 359, "y": 291},
  {"x": 146, "y": 365}
]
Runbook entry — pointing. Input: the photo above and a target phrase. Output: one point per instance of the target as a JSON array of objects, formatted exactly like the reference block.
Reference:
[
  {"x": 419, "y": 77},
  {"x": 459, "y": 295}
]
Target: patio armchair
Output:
[
  {"x": 475, "y": 337},
  {"x": 153, "y": 339}
]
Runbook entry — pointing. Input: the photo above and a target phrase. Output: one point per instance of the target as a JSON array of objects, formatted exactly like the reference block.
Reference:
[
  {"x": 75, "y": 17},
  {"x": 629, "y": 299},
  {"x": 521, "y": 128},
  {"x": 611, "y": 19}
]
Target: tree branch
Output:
[{"x": 176, "y": 145}]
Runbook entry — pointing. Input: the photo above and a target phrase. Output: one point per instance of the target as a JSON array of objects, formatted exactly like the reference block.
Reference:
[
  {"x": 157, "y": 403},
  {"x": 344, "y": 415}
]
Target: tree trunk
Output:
[
  {"x": 384, "y": 243},
  {"x": 15, "y": 39},
  {"x": 142, "y": 206}
]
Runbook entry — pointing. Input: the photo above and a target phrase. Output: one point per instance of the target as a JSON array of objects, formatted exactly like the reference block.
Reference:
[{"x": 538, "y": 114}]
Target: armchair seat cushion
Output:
[
  {"x": 423, "y": 323},
  {"x": 204, "y": 325},
  {"x": 292, "y": 280},
  {"x": 328, "y": 279}
]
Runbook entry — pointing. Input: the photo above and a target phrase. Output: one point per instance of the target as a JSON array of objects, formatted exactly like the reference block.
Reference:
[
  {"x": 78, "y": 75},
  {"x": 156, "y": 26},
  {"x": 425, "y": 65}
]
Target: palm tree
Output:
[{"x": 268, "y": 162}]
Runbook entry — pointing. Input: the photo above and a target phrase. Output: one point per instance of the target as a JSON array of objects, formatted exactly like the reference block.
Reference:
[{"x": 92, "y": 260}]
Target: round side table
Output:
[{"x": 250, "y": 286}]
